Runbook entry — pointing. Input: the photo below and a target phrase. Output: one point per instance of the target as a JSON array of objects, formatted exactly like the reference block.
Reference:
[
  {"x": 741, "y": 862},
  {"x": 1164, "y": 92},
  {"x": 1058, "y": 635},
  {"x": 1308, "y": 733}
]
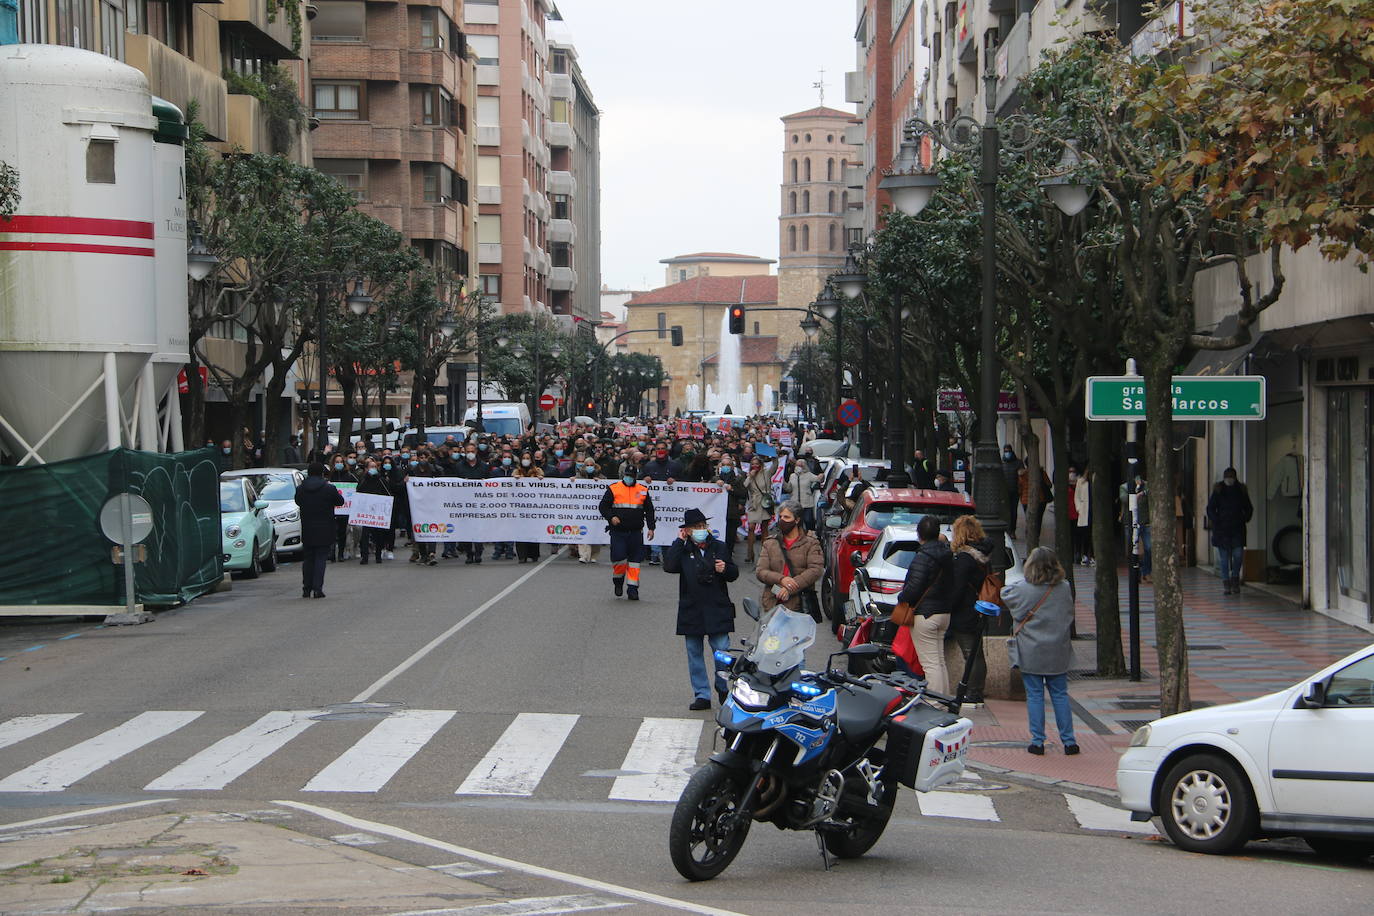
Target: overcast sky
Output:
[{"x": 690, "y": 95}]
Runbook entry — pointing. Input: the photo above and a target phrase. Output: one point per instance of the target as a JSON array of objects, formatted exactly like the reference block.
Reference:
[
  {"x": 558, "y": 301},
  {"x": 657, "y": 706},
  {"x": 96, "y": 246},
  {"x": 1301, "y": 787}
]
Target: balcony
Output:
[
  {"x": 488, "y": 194},
  {"x": 1174, "y": 23},
  {"x": 560, "y": 86},
  {"x": 525, "y": 196},
  {"x": 854, "y": 87},
  {"x": 854, "y": 134},
  {"x": 432, "y": 144},
  {"x": 562, "y": 183},
  {"x": 489, "y": 252},
  {"x": 247, "y": 126},
  {"x": 563, "y": 278},
  {"x": 346, "y": 139},
  {"x": 436, "y": 221},
  {"x": 488, "y": 135},
  {"x": 387, "y": 213},
  {"x": 432, "y": 67},
  {"x": 540, "y": 205},
  {"x": 560, "y": 133},
  {"x": 562, "y": 230},
  {"x": 854, "y": 176},
  {"x": 1013, "y": 63},
  {"x": 248, "y": 18},
  {"x": 176, "y": 79},
  {"x": 488, "y": 75}
]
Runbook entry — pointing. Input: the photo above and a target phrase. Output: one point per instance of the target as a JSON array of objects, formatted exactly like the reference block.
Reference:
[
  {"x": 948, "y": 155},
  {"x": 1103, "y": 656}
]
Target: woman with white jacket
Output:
[{"x": 802, "y": 485}]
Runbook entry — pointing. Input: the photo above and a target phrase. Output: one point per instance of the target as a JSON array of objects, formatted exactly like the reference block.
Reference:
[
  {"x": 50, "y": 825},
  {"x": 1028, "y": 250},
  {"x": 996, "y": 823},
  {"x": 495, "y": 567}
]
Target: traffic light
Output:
[
  {"x": 736, "y": 319},
  {"x": 677, "y": 335}
]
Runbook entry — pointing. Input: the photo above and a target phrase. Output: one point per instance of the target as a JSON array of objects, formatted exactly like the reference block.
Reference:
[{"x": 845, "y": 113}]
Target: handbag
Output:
[
  {"x": 810, "y": 603},
  {"x": 904, "y": 615},
  {"x": 1013, "y": 650}
]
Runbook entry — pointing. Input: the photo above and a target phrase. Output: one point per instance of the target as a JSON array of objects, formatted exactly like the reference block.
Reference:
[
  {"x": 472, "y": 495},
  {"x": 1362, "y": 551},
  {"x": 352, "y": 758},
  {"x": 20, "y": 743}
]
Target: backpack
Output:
[{"x": 991, "y": 589}]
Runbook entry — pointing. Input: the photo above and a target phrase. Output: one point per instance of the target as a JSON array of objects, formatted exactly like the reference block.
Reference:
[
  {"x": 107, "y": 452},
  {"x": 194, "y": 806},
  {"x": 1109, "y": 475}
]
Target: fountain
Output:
[{"x": 728, "y": 392}]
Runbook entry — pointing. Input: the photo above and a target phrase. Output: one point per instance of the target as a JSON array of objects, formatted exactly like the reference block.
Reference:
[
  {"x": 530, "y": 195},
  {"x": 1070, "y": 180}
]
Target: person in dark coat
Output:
[
  {"x": 341, "y": 474},
  {"x": 472, "y": 467},
  {"x": 928, "y": 591},
  {"x": 972, "y": 550},
  {"x": 291, "y": 455},
  {"x": 705, "y": 569},
  {"x": 317, "y": 499},
  {"x": 1228, "y": 511},
  {"x": 373, "y": 540}
]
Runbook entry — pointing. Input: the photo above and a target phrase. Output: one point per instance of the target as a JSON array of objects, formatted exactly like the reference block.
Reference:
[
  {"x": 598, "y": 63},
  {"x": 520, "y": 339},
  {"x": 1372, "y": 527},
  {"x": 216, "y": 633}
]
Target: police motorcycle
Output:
[{"x": 804, "y": 750}]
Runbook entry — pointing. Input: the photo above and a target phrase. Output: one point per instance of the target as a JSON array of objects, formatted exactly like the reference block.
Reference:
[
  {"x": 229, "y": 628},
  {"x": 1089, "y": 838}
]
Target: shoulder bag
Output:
[
  {"x": 904, "y": 615},
  {"x": 1013, "y": 651},
  {"x": 810, "y": 601}
]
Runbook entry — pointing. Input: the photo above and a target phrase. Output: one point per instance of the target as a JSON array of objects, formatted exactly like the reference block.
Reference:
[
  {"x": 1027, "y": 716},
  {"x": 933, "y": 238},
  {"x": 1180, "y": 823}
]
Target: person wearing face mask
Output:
[
  {"x": 503, "y": 465},
  {"x": 372, "y": 540},
  {"x": 802, "y": 485},
  {"x": 528, "y": 551},
  {"x": 588, "y": 469},
  {"x": 628, "y": 510},
  {"x": 1229, "y": 510},
  {"x": 660, "y": 467},
  {"x": 790, "y": 564},
  {"x": 1011, "y": 474},
  {"x": 471, "y": 468},
  {"x": 420, "y": 551},
  {"x": 339, "y": 473},
  {"x": 704, "y": 610},
  {"x": 225, "y": 456},
  {"x": 758, "y": 488},
  {"x": 317, "y": 499},
  {"x": 729, "y": 476}
]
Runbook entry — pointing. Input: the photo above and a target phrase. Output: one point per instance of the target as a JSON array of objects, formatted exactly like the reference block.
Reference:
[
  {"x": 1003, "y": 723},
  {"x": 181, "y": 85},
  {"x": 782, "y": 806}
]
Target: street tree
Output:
[{"x": 535, "y": 334}]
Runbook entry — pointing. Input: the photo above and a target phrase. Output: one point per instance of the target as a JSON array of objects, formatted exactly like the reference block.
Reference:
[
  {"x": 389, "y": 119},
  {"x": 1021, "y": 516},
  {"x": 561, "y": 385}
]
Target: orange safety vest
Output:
[{"x": 632, "y": 497}]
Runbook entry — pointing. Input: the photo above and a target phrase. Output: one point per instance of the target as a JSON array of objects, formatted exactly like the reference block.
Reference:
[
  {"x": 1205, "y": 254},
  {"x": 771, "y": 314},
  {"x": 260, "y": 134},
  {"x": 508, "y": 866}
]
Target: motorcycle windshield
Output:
[{"x": 783, "y": 641}]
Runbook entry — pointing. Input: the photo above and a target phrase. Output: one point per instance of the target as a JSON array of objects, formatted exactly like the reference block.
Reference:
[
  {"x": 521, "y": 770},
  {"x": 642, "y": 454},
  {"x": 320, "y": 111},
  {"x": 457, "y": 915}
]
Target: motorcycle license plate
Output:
[{"x": 942, "y": 755}]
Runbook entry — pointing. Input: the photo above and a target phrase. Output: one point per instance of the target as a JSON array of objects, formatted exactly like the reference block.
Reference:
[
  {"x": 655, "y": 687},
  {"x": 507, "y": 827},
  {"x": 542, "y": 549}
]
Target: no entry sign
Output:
[{"x": 546, "y": 402}]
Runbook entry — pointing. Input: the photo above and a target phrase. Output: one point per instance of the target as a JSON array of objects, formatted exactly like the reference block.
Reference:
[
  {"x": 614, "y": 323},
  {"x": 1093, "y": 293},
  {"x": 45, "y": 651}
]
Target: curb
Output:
[{"x": 1078, "y": 788}]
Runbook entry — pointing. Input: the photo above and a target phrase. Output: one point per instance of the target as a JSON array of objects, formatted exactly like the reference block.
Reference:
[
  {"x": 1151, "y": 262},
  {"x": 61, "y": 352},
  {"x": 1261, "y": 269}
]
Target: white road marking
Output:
[
  {"x": 957, "y": 804},
  {"x": 538, "y": 871},
  {"x": 527, "y": 906},
  {"x": 369, "y": 764},
  {"x": 464, "y": 870},
  {"x": 520, "y": 757},
  {"x": 84, "y": 812},
  {"x": 1093, "y": 815},
  {"x": 21, "y": 727},
  {"x": 437, "y": 641},
  {"x": 357, "y": 839},
  {"x": 59, "y": 771},
  {"x": 663, "y": 756},
  {"x": 229, "y": 758}
]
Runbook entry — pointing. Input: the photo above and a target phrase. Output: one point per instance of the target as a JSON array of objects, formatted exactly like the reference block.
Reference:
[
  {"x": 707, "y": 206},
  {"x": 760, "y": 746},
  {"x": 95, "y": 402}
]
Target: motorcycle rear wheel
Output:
[
  {"x": 706, "y": 834},
  {"x": 859, "y": 839}
]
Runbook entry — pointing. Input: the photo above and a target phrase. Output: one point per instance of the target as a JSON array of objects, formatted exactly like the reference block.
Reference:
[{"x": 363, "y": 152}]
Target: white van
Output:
[
  {"x": 385, "y": 431},
  {"x": 502, "y": 419}
]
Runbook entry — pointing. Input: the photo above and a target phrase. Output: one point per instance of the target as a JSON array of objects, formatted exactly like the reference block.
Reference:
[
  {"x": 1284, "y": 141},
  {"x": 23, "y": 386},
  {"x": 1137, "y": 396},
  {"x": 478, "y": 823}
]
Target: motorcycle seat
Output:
[{"x": 860, "y": 710}]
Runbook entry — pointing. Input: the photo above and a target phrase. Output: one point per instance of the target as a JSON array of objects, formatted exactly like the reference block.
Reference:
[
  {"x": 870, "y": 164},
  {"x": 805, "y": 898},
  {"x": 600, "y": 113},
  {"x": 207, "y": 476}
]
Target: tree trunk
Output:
[
  {"x": 195, "y": 404},
  {"x": 348, "y": 388},
  {"x": 1111, "y": 661},
  {"x": 1170, "y": 639},
  {"x": 271, "y": 444},
  {"x": 1063, "y": 527},
  {"x": 238, "y": 413}
]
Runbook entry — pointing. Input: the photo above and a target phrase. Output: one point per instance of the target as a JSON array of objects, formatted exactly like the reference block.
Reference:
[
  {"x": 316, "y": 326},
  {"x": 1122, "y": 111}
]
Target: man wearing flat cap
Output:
[{"x": 704, "y": 609}]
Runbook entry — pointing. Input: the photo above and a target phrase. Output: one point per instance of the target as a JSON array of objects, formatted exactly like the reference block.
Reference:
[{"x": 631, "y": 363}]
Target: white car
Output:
[
  {"x": 278, "y": 487},
  {"x": 1299, "y": 762},
  {"x": 884, "y": 569}
]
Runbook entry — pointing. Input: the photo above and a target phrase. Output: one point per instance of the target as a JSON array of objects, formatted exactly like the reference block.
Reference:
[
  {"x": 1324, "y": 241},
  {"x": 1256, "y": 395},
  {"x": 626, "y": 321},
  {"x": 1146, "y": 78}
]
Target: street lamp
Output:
[
  {"x": 200, "y": 260},
  {"x": 358, "y": 300},
  {"x": 911, "y": 187},
  {"x": 828, "y": 304},
  {"x": 810, "y": 326}
]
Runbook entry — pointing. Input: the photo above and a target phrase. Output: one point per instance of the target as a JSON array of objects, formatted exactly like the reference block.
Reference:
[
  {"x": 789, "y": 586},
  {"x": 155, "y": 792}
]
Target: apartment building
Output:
[
  {"x": 814, "y": 199},
  {"x": 513, "y": 156},
  {"x": 574, "y": 181}
]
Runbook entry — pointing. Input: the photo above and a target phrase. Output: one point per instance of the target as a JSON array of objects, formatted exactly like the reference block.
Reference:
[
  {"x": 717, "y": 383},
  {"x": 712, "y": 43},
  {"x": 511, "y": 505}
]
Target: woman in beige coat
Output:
[{"x": 790, "y": 562}]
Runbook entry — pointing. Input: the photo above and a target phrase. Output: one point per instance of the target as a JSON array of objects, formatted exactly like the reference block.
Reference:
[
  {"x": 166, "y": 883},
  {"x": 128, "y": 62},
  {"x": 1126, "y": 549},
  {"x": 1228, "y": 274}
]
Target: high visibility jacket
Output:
[{"x": 631, "y": 505}]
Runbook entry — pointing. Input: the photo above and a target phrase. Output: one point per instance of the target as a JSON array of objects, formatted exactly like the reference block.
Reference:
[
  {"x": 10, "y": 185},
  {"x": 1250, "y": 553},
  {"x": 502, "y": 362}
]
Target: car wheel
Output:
[
  {"x": 270, "y": 563},
  {"x": 827, "y": 599},
  {"x": 1342, "y": 850},
  {"x": 1207, "y": 805},
  {"x": 254, "y": 568}
]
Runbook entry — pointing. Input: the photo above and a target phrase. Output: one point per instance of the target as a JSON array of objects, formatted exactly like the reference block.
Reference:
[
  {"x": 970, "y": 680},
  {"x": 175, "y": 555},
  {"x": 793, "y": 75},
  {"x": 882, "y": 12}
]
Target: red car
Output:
[{"x": 877, "y": 508}]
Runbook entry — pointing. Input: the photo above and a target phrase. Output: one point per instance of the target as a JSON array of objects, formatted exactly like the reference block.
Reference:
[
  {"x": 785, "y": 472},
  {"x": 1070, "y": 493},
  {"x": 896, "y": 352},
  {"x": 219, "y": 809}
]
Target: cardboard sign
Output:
[
  {"x": 370, "y": 510},
  {"x": 347, "y": 488}
]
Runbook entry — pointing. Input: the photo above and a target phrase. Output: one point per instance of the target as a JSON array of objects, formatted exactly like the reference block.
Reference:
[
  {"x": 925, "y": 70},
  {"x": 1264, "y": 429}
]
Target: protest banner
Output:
[
  {"x": 543, "y": 510},
  {"x": 684, "y": 429},
  {"x": 370, "y": 510},
  {"x": 347, "y": 489},
  {"x": 639, "y": 431},
  {"x": 698, "y": 430}
]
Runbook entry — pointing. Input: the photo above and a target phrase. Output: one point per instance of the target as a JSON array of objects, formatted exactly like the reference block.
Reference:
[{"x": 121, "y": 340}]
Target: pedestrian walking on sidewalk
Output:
[
  {"x": 972, "y": 551},
  {"x": 1041, "y": 608},
  {"x": 1228, "y": 511},
  {"x": 628, "y": 510},
  {"x": 927, "y": 592},
  {"x": 317, "y": 499},
  {"x": 704, "y": 569}
]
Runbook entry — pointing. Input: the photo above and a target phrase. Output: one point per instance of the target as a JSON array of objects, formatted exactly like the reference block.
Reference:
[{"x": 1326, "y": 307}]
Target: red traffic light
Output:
[{"x": 736, "y": 319}]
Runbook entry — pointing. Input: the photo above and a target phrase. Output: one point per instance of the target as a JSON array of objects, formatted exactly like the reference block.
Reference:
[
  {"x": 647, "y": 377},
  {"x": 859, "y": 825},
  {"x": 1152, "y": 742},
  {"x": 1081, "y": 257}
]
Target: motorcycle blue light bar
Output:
[
  {"x": 806, "y": 690},
  {"x": 723, "y": 658}
]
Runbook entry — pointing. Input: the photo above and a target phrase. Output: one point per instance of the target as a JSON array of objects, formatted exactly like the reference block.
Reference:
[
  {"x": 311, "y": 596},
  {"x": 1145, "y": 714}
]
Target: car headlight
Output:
[
  {"x": 748, "y": 696},
  {"x": 1141, "y": 736},
  {"x": 287, "y": 517},
  {"x": 232, "y": 531}
]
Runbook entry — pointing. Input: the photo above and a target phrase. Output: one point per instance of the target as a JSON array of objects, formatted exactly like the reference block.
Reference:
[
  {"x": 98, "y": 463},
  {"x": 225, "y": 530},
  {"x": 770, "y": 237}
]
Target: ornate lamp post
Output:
[{"x": 828, "y": 305}]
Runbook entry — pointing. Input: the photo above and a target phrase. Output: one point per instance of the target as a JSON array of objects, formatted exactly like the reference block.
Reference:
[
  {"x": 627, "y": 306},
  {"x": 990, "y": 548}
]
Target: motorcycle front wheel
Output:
[{"x": 707, "y": 833}]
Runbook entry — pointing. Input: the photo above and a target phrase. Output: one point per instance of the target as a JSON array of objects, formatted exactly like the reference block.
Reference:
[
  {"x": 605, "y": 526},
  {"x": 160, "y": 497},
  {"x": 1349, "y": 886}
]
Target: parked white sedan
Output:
[
  {"x": 278, "y": 487},
  {"x": 1299, "y": 762}
]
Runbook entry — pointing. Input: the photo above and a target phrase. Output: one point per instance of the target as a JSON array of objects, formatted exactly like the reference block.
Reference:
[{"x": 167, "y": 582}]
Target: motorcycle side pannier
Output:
[{"x": 926, "y": 747}]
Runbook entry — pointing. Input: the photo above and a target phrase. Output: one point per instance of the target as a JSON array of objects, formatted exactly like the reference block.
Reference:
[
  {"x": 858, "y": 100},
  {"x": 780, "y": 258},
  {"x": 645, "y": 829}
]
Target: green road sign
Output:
[{"x": 1196, "y": 397}]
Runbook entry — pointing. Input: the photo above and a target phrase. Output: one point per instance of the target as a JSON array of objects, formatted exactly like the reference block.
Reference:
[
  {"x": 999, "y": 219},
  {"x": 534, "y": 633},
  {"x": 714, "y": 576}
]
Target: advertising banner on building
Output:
[
  {"x": 549, "y": 511},
  {"x": 370, "y": 510}
]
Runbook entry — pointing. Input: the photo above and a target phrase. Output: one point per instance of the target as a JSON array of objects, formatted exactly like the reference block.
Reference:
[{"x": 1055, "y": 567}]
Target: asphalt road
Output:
[{"x": 520, "y": 713}]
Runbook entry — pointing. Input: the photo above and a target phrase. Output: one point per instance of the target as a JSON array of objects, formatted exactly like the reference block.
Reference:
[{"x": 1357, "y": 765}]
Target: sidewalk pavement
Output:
[{"x": 1239, "y": 647}]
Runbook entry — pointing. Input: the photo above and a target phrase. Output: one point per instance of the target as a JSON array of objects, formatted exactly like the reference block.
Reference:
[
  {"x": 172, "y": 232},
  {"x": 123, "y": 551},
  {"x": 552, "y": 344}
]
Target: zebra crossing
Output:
[{"x": 655, "y": 767}]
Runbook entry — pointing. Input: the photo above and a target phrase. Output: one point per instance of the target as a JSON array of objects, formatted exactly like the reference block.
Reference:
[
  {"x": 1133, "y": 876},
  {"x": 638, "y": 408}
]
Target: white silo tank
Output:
[
  {"x": 170, "y": 221},
  {"x": 77, "y": 270}
]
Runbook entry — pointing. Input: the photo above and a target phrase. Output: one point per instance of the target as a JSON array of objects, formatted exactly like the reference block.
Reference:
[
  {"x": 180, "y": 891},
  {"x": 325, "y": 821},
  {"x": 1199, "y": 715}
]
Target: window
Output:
[
  {"x": 561, "y": 206},
  {"x": 33, "y": 21},
  {"x": 830, "y": 170},
  {"x": 681, "y": 275},
  {"x": 339, "y": 20},
  {"x": 844, "y": 201},
  {"x": 756, "y": 329},
  {"x": 1353, "y": 685},
  {"x": 558, "y": 110},
  {"x": 792, "y": 198},
  {"x": 436, "y": 107},
  {"x": 791, "y": 238},
  {"x": 487, "y": 49},
  {"x": 351, "y": 173},
  {"x": 808, "y": 169},
  {"x": 439, "y": 183},
  {"x": 74, "y": 27},
  {"x": 100, "y": 161},
  {"x": 806, "y": 238},
  {"x": 830, "y": 204},
  {"x": 433, "y": 28},
  {"x": 560, "y": 253},
  {"x": 794, "y": 138},
  {"x": 488, "y": 111},
  {"x": 339, "y": 101},
  {"x": 794, "y": 171},
  {"x": 558, "y": 60},
  {"x": 662, "y": 325},
  {"x": 112, "y": 28},
  {"x": 806, "y": 201},
  {"x": 489, "y": 229},
  {"x": 491, "y": 283},
  {"x": 831, "y": 240},
  {"x": 808, "y": 138},
  {"x": 829, "y": 138}
]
